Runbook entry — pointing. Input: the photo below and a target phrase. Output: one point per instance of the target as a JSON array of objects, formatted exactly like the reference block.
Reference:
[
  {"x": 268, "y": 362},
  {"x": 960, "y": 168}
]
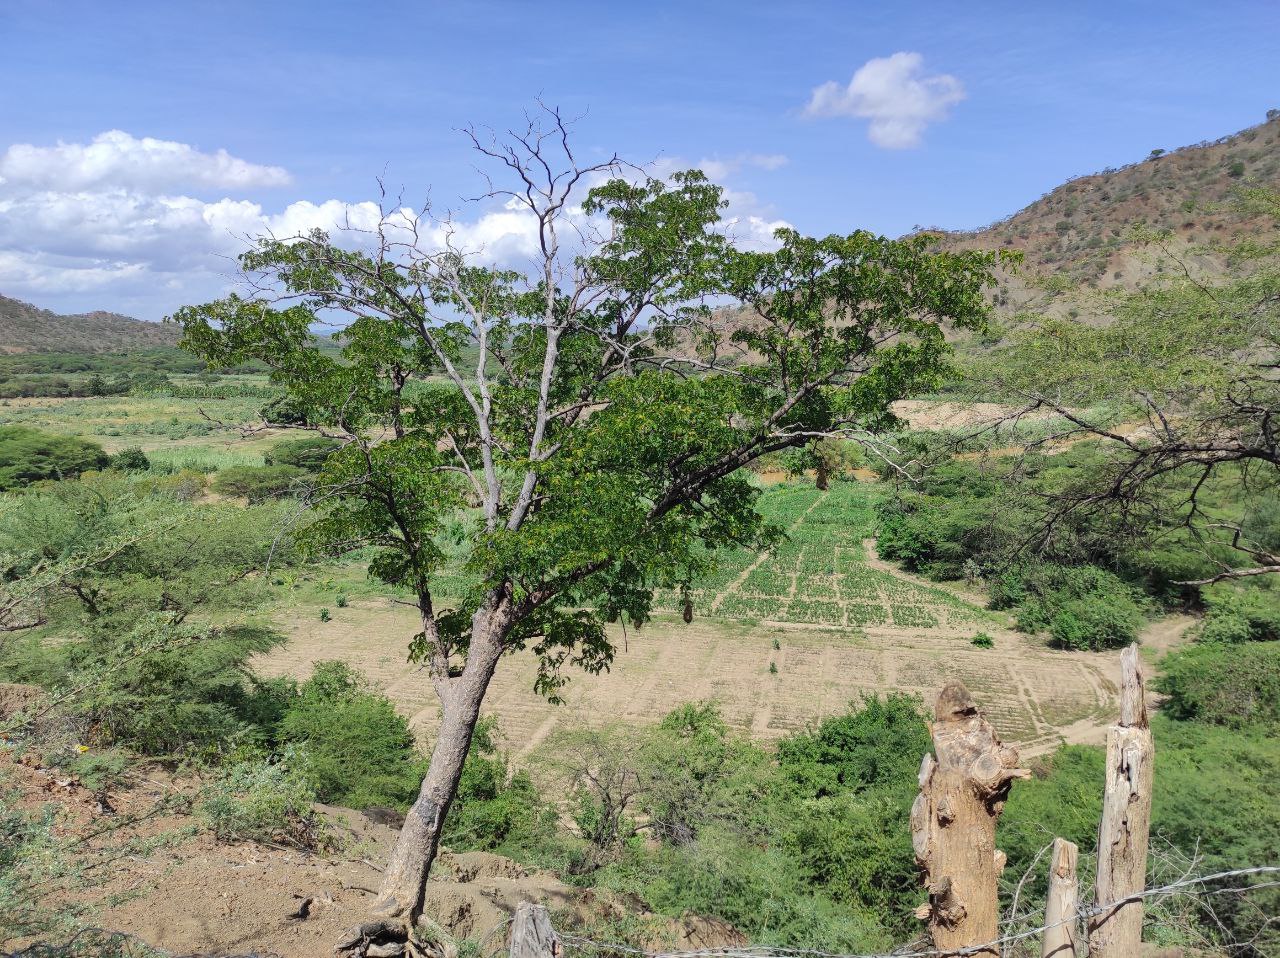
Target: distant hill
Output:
[
  {"x": 28, "y": 329},
  {"x": 1079, "y": 233}
]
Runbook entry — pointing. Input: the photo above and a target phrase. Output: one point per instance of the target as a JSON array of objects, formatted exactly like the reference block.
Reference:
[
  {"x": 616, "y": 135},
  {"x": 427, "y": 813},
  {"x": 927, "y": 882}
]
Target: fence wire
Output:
[{"x": 1082, "y": 915}]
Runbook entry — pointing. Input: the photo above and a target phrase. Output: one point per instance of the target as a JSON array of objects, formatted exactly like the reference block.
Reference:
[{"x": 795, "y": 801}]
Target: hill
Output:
[
  {"x": 28, "y": 329},
  {"x": 1079, "y": 237}
]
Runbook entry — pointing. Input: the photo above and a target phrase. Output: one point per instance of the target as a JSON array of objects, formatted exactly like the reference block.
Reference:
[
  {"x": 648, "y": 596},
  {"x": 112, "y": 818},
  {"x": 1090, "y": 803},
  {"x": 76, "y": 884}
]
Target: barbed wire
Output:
[{"x": 1081, "y": 915}]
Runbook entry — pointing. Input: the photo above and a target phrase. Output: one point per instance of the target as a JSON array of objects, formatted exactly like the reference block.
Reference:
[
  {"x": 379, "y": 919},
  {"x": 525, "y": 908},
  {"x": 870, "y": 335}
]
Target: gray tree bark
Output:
[
  {"x": 1124, "y": 831},
  {"x": 531, "y": 933},
  {"x": 1061, "y": 924}
]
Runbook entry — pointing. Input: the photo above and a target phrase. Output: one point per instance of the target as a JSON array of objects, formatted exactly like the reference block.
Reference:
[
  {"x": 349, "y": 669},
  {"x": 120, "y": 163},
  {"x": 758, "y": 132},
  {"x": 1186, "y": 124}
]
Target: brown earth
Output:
[
  {"x": 1037, "y": 697},
  {"x": 195, "y": 894}
]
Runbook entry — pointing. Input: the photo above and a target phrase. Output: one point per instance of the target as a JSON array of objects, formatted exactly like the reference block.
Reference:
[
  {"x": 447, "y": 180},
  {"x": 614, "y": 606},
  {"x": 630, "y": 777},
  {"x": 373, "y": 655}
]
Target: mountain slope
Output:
[
  {"x": 28, "y": 329},
  {"x": 1079, "y": 236}
]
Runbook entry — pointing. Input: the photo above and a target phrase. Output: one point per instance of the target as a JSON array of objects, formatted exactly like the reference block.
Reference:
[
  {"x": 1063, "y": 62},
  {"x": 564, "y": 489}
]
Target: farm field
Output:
[
  {"x": 845, "y": 623},
  {"x": 834, "y": 621}
]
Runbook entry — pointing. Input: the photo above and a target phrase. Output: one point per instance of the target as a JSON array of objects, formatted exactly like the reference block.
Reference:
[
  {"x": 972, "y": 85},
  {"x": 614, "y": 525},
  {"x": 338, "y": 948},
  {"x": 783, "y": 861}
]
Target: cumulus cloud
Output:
[
  {"x": 894, "y": 94},
  {"x": 144, "y": 230},
  {"x": 116, "y": 159}
]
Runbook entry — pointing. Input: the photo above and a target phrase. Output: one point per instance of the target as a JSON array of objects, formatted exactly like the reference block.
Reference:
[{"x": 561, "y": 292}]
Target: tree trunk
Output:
[
  {"x": 1123, "y": 833},
  {"x": 953, "y": 825},
  {"x": 822, "y": 474},
  {"x": 404, "y": 882},
  {"x": 1061, "y": 933},
  {"x": 531, "y": 933}
]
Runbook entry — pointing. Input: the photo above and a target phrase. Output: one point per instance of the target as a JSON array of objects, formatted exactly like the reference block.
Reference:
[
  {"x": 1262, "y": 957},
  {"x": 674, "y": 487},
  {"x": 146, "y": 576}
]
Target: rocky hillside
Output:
[
  {"x": 28, "y": 329},
  {"x": 1079, "y": 237}
]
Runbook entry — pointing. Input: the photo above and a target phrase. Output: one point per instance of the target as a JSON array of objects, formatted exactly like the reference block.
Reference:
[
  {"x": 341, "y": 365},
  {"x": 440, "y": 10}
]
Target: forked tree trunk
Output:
[
  {"x": 953, "y": 825},
  {"x": 1061, "y": 933},
  {"x": 1123, "y": 833}
]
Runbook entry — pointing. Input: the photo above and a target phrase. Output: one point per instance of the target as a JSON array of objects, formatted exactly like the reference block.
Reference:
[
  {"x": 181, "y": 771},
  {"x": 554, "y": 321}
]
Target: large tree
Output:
[{"x": 576, "y": 430}]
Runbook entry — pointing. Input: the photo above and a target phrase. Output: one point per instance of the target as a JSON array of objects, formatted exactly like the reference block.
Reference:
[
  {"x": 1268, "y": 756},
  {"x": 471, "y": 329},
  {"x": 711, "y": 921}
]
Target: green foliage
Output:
[
  {"x": 495, "y": 809},
  {"x": 262, "y": 801},
  {"x": 1240, "y": 614},
  {"x": 983, "y": 641},
  {"x": 1225, "y": 684},
  {"x": 309, "y": 453},
  {"x": 259, "y": 483},
  {"x": 28, "y": 455},
  {"x": 324, "y": 615},
  {"x": 131, "y": 459},
  {"x": 807, "y": 847},
  {"x": 354, "y": 748},
  {"x": 876, "y": 744}
]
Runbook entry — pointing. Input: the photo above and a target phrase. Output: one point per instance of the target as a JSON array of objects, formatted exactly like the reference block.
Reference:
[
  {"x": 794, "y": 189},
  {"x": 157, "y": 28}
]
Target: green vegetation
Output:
[{"x": 28, "y": 455}]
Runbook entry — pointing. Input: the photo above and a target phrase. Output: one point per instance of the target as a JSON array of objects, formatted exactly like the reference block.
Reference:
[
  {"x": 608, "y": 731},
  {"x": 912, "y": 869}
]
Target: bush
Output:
[
  {"x": 356, "y": 749},
  {"x": 1240, "y": 615},
  {"x": 983, "y": 641},
  {"x": 29, "y": 455},
  {"x": 263, "y": 801},
  {"x": 1224, "y": 684},
  {"x": 308, "y": 453},
  {"x": 132, "y": 459},
  {"x": 877, "y": 744},
  {"x": 1082, "y": 607},
  {"x": 495, "y": 810},
  {"x": 257, "y": 483}
]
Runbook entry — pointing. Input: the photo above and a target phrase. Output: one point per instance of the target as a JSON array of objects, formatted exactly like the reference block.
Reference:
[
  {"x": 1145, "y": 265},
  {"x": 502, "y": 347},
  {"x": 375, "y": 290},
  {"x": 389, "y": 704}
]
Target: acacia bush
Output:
[{"x": 29, "y": 455}]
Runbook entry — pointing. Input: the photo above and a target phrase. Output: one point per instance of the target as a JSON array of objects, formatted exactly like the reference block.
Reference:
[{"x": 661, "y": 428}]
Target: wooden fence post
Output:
[
  {"x": 531, "y": 933},
  {"x": 953, "y": 824},
  {"x": 1061, "y": 932},
  {"x": 1116, "y": 930}
]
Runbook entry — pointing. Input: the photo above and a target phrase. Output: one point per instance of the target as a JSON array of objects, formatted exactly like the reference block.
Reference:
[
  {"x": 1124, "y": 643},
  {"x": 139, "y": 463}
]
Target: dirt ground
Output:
[
  {"x": 195, "y": 894},
  {"x": 1038, "y": 698}
]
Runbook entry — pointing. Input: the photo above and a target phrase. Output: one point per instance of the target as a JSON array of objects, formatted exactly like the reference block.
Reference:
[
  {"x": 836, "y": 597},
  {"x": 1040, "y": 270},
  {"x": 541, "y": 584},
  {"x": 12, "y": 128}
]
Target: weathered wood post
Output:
[
  {"x": 1061, "y": 927},
  {"x": 531, "y": 933},
  {"x": 953, "y": 824},
  {"x": 1116, "y": 931}
]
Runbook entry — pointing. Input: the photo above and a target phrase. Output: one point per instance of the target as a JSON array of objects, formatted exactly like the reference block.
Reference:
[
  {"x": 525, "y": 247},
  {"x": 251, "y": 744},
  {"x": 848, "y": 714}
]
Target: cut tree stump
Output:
[
  {"x": 1061, "y": 933},
  {"x": 531, "y": 933},
  {"x": 1116, "y": 930},
  {"x": 953, "y": 825}
]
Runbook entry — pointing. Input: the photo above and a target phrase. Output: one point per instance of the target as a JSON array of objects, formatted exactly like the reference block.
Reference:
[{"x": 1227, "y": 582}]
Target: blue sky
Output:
[{"x": 986, "y": 106}]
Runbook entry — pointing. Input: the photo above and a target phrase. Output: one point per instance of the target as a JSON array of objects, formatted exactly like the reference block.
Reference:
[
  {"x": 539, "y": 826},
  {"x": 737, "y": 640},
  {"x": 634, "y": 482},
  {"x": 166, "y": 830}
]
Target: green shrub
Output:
[
  {"x": 324, "y": 615},
  {"x": 983, "y": 641},
  {"x": 132, "y": 459},
  {"x": 29, "y": 455},
  {"x": 356, "y": 749},
  {"x": 308, "y": 453},
  {"x": 495, "y": 810},
  {"x": 879, "y": 743},
  {"x": 1236, "y": 614},
  {"x": 263, "y": 801},
  {"x": 258, "y": 483},
  {"x": 1082, "y": 607},
  {"x": 1223, "y": 684}
]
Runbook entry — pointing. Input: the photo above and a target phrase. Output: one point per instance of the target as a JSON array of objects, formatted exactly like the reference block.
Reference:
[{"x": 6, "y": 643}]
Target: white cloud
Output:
[
  {"x": 123, "y": 231},
  {"x": 894, "y": 94},
  {"x": 116, "y": 159}
]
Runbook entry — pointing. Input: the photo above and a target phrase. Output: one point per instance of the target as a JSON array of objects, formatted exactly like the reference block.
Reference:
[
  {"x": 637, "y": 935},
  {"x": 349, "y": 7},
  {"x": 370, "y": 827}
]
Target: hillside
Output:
[
  {"x": 1079, "y": 235},
  {"x": 28, "y": 329}
]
